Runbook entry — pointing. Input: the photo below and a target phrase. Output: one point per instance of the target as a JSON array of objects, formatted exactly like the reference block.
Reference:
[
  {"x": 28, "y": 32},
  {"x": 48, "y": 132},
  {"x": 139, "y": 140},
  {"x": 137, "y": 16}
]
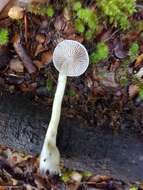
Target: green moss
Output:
[
  {"x": 40, "y": 10},
  {"x": 124, "y": 81},
  {"x": 71, "y": 93},
  {"x": 85, "y": 20},
  {"x": 87, "y": 174},
  {"x": 89, "y": 34},
  {"x": 117, "y": 11},
  {"x": 140, "y": 85},
  {"x": 4, "y": 36},
  {"x": 134, "y": 188},
  {"x": 100, "y": 54},
  {"x": 65, "y": 177},
  {"x": 49, "y": 11},
  {"x": 133, "y": 51},
  {"x": 79, "y": 25},
  {"x": 49, "y": 85},
  {"x": 77, "y": 6}
]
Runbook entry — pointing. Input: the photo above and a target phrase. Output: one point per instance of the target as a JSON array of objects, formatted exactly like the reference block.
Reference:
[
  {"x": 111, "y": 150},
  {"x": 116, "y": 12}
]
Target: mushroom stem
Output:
[
  {"x": 56, "y": 110},
  {"x": 50, "y": 157}
]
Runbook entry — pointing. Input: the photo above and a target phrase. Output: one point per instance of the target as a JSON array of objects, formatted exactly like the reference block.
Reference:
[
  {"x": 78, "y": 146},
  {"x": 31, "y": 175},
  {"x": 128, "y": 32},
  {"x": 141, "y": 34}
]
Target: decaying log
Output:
[{"x": 23, "y": 125}]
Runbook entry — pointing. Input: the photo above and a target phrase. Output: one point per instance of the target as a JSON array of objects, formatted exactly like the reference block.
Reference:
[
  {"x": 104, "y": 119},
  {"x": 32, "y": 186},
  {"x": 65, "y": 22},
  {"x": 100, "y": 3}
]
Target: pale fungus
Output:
[{"x": 71, "y": 59}]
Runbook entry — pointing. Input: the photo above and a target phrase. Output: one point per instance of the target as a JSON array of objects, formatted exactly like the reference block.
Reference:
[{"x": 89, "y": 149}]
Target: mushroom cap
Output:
[{"x": 70, "y": 58}]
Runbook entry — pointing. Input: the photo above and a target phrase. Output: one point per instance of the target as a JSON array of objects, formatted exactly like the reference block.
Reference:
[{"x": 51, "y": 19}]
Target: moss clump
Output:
[
  {"x": 40, "y": 10},
  {"x": 49, "y": 11},
  {"x": 117, "y": 11},
  {"x": 4, "y": 36},
  {"x": 133, "y": 51},
  {"x": 85, "y": 20},
  {"x": 100, "y": 54}
]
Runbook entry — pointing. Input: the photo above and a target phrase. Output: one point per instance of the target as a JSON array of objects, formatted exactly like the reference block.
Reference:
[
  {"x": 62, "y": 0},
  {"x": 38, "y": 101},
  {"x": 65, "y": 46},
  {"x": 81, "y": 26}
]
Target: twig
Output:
[
  {"x": 28, "y": 64},
  {"x": 25, "y": 27},
  {"x": 112, "y": 35}
]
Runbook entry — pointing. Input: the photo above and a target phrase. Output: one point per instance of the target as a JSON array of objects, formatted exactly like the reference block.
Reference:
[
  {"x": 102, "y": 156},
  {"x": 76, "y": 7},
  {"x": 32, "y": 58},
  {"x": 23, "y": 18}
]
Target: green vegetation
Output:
[
  {"x": 117, "y": 11},
  {"x": 100, "y": 54},
  {"x": 85, "y": 20},
  {"x": 49, "y": 11},
  {"x": 133, "y": 51},
  {"x": 4, "y": 36},
  {"x": 65, "y": 177},
  {"x": 71, "y": 93},
  {"x": 141, "y": 92},
  {"x": 124, "y": 81},
  {"x": 40, "y": 10},
  {"x": 87, "y": 174},
  {"x": 49, "y": 85},
  {"x": 134, "y": 188}
]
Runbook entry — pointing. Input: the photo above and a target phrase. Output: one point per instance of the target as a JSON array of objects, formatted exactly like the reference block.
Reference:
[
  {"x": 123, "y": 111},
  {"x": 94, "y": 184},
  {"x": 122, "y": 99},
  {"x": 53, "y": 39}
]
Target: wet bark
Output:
[{"x": 23, "y": 125}]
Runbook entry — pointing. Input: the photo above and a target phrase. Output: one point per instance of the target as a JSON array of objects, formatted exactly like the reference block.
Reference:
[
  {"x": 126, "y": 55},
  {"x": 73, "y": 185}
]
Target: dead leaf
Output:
[
  {"x": 119, "y": 50},
  {"x": 16, "y": 65},
  {"x": 99, "y": 178},
  {"x": 133, "y": 90},
  {"x": 40, "y": 38},
  {"x": 47, "y": 57}
]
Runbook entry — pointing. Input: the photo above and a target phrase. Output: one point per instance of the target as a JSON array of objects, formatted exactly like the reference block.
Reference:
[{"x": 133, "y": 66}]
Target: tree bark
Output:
[{"x": 23, "y": 125}]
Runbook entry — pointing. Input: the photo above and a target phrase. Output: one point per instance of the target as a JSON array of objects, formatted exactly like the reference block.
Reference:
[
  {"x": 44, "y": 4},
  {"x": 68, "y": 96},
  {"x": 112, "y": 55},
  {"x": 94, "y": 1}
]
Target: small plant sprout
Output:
[{"x": 71, "y": 59}]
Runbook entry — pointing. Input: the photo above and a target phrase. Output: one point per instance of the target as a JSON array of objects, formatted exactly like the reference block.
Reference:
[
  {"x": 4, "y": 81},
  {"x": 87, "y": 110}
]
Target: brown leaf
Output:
[
  {"x": 40, "y": 38},
  {"x": 20, "y": 50},
  {"x": 47, "y": 57},
  {"x": 40, "y": 182},
  {"x": 40, "y": 48},
  {"x": 99, "y": 178},
  {"x": 139, "y": 60},
  {"x": 133, "y": 90},
  {"x": 59, "y": 23},
  {"x": 67, "y": 14},
  {"x": 76, "y": 178},
  {"x": 16, "y": 65},
  {"x": 119, "y": 50},
  {"x": 3, "y": 188},
  {"x": 75, "y": 37}
]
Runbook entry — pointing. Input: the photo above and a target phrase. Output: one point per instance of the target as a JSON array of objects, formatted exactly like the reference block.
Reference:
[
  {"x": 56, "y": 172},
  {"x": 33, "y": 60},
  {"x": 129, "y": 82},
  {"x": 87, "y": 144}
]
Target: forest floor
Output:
[
  {"x": 20, "y": 171},
  {"x": 25, "y": 66}
]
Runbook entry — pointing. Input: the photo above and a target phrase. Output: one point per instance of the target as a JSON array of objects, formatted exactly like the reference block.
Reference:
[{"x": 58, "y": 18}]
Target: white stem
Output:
[
  {"x": 56, "y": 110},
  {"x": 50, "y": 156}
]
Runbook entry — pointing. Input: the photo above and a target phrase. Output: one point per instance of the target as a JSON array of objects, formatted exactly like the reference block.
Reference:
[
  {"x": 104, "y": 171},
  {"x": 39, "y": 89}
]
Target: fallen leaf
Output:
[
  {"x": 16, "y": 65},
  {"x": 133, "y": 90},
  {"x": 119, "y": 51},
  {"x": 40, "y": 38},
  {"x": 47, "y": 57}
]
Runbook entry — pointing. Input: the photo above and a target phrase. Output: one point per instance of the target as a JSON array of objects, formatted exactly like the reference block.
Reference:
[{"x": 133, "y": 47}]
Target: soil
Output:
[{"x": 96, "y": 148}]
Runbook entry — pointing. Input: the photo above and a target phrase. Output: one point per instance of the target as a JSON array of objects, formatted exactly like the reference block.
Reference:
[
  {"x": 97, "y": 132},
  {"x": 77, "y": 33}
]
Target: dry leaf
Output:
[
  {"x": 16, "y": 12},
  {"x": 47, "y": 57},
  {"x": 16, "y": 65},
  {"x": 133, "y": 90}
]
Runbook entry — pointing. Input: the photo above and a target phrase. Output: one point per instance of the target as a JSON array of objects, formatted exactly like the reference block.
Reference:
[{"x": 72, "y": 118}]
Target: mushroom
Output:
[{"x": 71, "y": 59}]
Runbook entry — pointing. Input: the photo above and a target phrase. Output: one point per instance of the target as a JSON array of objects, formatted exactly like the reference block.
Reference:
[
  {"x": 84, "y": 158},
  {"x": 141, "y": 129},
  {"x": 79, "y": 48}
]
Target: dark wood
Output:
[{"x": 23, "y": 124}]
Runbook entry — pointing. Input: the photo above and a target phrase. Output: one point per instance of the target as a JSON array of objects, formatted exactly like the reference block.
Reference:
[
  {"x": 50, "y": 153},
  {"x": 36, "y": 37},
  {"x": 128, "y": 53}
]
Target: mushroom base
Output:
[{"x": 50, "y": 159}]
